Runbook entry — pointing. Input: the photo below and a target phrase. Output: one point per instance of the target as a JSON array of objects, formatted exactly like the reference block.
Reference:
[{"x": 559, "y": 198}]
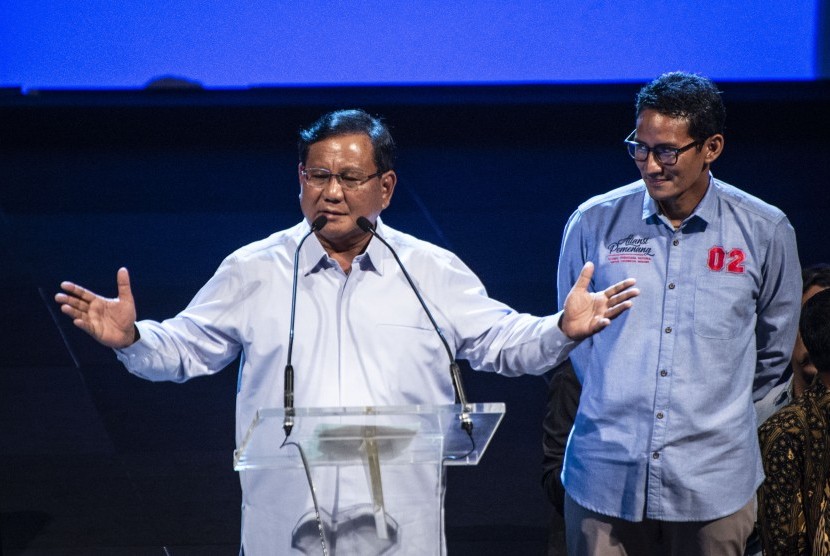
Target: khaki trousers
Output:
[{"x": 588, "y": 533}]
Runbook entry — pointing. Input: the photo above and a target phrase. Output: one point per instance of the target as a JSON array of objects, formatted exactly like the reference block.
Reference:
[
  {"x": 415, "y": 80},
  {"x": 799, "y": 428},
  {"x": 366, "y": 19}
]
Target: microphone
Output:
[
  {"x": 455, "y": 372},
  {"x": 288, "y": 383}
]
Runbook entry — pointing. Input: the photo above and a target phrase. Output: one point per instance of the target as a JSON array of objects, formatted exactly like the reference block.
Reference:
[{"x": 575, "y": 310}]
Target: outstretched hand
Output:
[
  {"x": 586, "y": 313},
  {"x": 111, "y": 321}
]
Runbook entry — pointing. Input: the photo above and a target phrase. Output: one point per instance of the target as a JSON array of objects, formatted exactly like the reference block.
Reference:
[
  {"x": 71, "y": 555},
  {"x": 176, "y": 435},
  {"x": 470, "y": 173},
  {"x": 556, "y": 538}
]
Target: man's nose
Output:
[
  {"x": 333, "y": 189},
  {"x": 651, "y": 164}
]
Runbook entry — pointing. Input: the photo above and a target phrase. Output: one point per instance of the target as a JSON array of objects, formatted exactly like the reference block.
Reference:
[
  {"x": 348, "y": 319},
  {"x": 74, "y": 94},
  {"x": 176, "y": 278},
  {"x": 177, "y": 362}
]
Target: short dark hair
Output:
[
  {"x": 815, "y": 275},
  {"x": 685, "y": 95},
  {"x": 814, "y": 326},
  {"x": 347, "y": 122}
]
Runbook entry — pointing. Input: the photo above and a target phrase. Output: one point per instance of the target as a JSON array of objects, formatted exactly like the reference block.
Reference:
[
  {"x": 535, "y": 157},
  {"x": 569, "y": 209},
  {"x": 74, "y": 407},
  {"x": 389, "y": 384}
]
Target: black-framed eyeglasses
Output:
[
  {"x": 665, "y": 155},
  {"x": 349, "y": 180}
]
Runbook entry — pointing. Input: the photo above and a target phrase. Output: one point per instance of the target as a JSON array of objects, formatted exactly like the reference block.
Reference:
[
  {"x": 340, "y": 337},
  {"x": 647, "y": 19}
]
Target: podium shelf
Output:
[{"x": 398, "y": 435}]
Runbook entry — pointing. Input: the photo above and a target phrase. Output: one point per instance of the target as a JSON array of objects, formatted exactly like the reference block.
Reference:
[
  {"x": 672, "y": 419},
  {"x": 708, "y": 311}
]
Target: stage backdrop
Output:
[{"x": 100, "y": 43}]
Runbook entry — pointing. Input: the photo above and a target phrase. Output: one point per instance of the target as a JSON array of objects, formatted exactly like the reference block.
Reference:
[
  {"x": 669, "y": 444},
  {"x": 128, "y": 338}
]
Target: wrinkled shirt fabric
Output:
[{"x": 361, "y": 339}]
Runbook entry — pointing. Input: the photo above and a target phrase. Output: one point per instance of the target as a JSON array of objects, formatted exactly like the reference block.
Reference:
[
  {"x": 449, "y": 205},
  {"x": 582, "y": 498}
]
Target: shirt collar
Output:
[
  {"x": 313, "y": 256},
  {"x": 705, "y": 209},
  {"x": 376, "y": 252}
]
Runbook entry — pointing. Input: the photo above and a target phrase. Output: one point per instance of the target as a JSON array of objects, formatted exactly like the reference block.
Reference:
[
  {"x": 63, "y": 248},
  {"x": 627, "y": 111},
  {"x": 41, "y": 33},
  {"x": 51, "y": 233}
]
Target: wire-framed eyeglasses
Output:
[
  {"x": 664, "y": 155},
  {"x": 349, "y": 179}
]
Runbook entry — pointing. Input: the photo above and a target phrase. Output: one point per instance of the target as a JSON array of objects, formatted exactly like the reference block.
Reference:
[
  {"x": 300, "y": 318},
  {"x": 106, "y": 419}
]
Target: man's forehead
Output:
[
  {"x": 662, "y": 122},
  {"x": 681, "y": 120},
  {"x": 354, "y": 143},
  {"x": 342, "y": 138}
]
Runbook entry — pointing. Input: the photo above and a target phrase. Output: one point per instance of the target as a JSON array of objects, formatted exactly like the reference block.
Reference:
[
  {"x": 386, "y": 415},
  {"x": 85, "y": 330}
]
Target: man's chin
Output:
[
  {"x": 661, "y": 192},
  {"x": 340, "y": 222},
  {"x": 339, "y": 233}
]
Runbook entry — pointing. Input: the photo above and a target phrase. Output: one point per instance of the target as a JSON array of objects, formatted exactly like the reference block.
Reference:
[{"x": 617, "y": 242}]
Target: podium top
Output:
[{"x": 336, "y": 436}]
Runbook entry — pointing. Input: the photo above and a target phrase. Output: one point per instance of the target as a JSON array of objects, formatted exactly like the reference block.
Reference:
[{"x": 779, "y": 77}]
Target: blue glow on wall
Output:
[{"x": 220, "y": 44}]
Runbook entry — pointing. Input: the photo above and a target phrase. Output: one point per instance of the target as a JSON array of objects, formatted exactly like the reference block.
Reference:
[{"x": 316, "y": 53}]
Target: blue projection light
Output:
[{"x": 218, "y": 44}]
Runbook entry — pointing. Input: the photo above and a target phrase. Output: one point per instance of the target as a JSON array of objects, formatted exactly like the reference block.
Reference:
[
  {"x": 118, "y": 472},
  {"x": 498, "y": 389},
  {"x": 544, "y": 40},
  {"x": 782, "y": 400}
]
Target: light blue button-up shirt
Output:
[
  {"x": 361, "y": 339},
  {"x": 666, "y": 427}
]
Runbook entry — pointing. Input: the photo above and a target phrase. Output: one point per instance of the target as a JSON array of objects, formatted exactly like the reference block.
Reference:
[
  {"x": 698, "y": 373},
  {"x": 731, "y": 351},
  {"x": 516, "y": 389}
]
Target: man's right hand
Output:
[{"x": 111, "y": 321}]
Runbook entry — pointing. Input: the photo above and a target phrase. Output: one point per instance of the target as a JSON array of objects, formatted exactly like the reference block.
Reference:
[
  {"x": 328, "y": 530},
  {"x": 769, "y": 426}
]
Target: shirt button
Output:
[
  {"x": 676, "y": 242},
  {"x": 655, "y": 455},
  {"x": 668, "y": 330},
  {"x": 659, "y": 414},
  {"x": 664, "y": 372},
  {"x": 671, "y": 286}
]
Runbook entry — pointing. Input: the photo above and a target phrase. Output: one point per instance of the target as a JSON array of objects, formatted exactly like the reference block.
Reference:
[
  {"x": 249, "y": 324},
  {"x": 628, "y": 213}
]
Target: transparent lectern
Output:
[{"x": 376, "y": 439}]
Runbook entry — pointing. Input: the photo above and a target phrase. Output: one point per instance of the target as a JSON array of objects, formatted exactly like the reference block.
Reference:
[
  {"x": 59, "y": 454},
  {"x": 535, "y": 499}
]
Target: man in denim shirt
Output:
[{"x": 663, "y": 457}]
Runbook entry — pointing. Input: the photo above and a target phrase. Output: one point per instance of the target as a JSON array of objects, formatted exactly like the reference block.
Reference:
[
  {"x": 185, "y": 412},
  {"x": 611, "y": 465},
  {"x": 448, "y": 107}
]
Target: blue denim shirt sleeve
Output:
[{"x": 778, "y": 309}]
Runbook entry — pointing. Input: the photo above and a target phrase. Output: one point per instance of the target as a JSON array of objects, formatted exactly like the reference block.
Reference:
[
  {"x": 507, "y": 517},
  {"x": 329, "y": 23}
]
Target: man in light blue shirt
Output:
[
  {"x": 362, "y": 339},
  {"x": 663, "y": 457}
]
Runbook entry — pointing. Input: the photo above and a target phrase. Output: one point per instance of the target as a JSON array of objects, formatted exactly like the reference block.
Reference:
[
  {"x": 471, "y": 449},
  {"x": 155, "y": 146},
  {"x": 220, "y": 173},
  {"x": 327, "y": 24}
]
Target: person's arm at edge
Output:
[
  {"x": 562, "y": 404},
  {"x": 779, "y": 304}
]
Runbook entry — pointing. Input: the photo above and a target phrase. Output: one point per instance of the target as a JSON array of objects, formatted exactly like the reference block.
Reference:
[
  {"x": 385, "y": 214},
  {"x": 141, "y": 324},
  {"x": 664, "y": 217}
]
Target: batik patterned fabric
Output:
[{"x": 793, "y": 501}]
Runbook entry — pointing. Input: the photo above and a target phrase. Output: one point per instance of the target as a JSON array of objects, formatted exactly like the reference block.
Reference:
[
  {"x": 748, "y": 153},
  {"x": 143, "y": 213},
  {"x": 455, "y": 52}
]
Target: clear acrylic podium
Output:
[
  {"x": 403, "y": 434},
  {"x": 374, "y": 438}
]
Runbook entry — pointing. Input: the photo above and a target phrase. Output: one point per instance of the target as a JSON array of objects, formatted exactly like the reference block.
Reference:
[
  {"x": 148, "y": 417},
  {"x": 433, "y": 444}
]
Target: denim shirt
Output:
[{"x": 666, "y": 425}]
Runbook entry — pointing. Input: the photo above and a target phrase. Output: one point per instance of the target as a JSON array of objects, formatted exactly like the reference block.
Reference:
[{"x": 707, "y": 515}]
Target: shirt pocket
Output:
[
  {"x": 417, "y": 362},
  {"x": 723, "y": 306}
]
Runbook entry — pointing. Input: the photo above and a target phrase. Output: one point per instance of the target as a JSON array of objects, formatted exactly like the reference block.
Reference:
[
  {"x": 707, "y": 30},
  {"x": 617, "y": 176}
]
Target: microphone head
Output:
[
  {"x": 318, "y": 223},
  {"x": 364, "y": 224}
]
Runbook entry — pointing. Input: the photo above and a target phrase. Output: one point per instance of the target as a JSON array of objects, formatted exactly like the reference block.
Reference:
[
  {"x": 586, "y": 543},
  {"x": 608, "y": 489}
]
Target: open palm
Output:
[
  {"x": 111, "y": 321},
  {"x": 586, "y": 313}
]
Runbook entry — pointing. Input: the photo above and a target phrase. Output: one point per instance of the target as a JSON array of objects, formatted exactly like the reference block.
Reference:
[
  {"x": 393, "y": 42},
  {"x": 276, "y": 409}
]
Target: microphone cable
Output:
[
  {"x": 455, "y": 372},
  {"x": 288, "y": 386},
  {"x": 288, "y": 383}
]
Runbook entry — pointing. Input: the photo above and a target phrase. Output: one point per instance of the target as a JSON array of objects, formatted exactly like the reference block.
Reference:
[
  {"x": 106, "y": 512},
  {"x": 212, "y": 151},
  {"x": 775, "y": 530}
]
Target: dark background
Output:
[{"x": 96, "y": 461}]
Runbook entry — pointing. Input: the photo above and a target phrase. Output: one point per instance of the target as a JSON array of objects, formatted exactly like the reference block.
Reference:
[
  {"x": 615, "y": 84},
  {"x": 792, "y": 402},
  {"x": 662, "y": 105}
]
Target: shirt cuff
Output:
[
  {"x": 556, "y": 344},
  {"x": 137, "y": 356}
]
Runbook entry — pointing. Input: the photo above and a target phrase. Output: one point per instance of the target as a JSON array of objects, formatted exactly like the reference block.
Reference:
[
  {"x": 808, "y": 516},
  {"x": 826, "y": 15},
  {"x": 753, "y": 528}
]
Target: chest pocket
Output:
[
  {"x": 417, "y": 360},
  {"x": 723, "y": 306}
]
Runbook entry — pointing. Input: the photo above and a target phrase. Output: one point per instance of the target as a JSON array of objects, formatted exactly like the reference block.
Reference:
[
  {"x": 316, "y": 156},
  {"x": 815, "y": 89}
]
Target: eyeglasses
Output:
[
  {"x": 349, "y": 180},
  {"x": 665, "y": 155}
]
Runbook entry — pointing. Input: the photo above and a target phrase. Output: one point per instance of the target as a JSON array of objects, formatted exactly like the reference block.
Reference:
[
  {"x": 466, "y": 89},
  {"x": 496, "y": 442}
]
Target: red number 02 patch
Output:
[{"x": 733, "y": 261}]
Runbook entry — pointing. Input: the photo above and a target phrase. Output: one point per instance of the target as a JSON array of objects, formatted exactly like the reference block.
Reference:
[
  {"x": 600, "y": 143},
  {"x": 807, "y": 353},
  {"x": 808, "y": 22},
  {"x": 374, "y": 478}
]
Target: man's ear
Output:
[
  {"x": 387, "y": 183},
  {"x": 713, "y": 147}
]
